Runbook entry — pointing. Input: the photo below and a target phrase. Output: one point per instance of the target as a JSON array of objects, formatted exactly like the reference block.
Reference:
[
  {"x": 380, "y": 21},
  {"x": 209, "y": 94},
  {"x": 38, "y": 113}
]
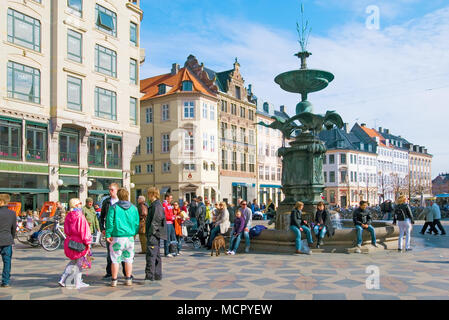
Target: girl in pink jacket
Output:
[{"x": 76, "y": 229}]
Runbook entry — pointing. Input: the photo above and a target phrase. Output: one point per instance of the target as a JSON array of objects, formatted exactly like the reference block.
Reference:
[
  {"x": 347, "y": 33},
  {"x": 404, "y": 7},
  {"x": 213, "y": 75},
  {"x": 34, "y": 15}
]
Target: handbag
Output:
[
  {"x": 77, "y": 246},
  {"x": 184, "y": 231}
]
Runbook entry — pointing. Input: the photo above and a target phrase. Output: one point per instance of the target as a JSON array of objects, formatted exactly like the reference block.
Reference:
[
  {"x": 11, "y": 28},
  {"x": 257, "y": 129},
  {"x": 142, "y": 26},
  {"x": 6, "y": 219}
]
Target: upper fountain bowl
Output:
[{"x": 304, "y": 80}]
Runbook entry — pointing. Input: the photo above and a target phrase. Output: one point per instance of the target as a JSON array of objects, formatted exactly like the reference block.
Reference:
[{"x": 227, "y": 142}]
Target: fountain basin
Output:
[
  {"x": 343, "y": 241},
  {"x": 304, "y": 81}
]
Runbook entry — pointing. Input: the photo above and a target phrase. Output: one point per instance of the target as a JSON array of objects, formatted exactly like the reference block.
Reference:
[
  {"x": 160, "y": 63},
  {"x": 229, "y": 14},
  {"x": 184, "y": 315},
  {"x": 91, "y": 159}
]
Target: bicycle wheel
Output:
[
  {"x": 51, "y": 241},
  {"x": 41, "y": 234}
]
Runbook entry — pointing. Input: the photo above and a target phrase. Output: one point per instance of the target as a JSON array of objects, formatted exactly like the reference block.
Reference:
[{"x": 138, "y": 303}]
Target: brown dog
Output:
[{"x": 217, "y": 244}]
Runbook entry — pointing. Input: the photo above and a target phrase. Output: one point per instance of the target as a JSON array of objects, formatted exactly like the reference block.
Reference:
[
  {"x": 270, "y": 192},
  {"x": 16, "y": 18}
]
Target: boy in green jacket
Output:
[{"x": 122, "y": 224}]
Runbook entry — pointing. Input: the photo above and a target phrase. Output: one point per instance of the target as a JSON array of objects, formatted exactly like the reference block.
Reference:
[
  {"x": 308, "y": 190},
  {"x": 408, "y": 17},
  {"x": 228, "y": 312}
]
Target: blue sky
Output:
[{"x": 396, "y": 77}]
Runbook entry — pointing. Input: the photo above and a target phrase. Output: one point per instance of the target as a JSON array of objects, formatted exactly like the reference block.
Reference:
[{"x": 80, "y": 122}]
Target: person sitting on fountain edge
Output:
[
  {"x": 297, "y": 224},
  {"x": 323, "y": 224},
  {"x": 362, "y": 221}
]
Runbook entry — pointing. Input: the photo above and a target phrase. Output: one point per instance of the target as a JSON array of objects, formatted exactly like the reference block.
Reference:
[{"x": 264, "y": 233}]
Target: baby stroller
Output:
[{"x": 196, "y": 235}]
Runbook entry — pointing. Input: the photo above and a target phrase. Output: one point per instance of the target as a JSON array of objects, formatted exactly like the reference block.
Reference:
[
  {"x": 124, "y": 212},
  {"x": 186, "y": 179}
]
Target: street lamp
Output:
[
  {"x": 60, "y": 182},
  {"x": 132, "y": 185},
  {"x": 89, "y": 184}
]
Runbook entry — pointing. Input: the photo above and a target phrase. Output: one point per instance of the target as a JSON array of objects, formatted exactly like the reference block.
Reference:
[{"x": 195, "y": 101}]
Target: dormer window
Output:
[
  {"x": 238, "y": 93},
  {"x": 265, "y": 107},
  {"x": 187, "y": 86},
  {"x": 162, "y": 89}
]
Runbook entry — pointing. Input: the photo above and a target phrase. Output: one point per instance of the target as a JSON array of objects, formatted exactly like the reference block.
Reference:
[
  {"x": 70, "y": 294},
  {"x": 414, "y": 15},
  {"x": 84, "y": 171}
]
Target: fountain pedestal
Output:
[{"x": 302, "y": 177}]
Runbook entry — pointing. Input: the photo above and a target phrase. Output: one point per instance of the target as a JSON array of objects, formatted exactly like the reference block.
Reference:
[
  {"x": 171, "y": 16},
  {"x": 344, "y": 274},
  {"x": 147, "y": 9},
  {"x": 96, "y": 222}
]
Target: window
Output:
[
  {"x": 36, "y": 137},
  {"x": 362, "y": 146},
  {"x": 234, "y": 132},
  {"x": 325, "y": 176},
  {"x": 106, "y": 20},
  {"x": 252, "y": 163},
  {"x": 279, "y": 174},
  {"x": 243, "y": 135},
  {"x": 343, "y": 177},
  {"x": 189, "y": 110},
  {"x": 74, "y": 93},
  {"x": 165, "y": 143},
  {"x": 205, "y": 109},
  {"x": 267, "y": 150},
  {"x": 138, "y": 169},
  {"x": 133, "y": 33},
  {"x": 166, "y": 167},
  {"x": 149, "y": 145},
  {"x": 149, "y": 115},
  {"x": 105, "y": 61},
  {"x": 234, "y": 161},
  {"x": 332, "y": 196},
  {"x": 10, "y": 139},
  {"x": 224, "y": 106},
  {"x": 331, "y": 159},
  {"x": 324, "y": 158},
  {"x": 224, "y": 129},
  {"x": 242, "y": 112},
  {"x": 150, "y": 168},
  {"x": 233, "y": 109},
  {"x": 114, "y": 154},
  {"x": 189, "y": 167},
  {"x": 205, "y": 142},
  {"x": 133, "y": 110},
  {"x": 224, "y": 159},
  {"x": 187, "y": 85},
  {"x": 332, "y": 176},
  {"x": 24, "y": 30},
  {"x": 273, "y": 173},
  {"x": 261, "y": 172},
  {"x": 212, "y": 143},
  {"x": 267, "y": 173},
  {"x": 342, "y": 158},
  {"x": 96, "y": 150},
  {"x": 68, "y": 147},
  {"x": 105, "y": 104},
  {"x": 212, "y": 112},
  {"x": 165, "y": 112},
  {"x": 355, "y": 176},
  {"x": 162, "y": 89},
  {"x": 24, "y": 82},
  {"x": 352, "y": 176},
  {"x": 74, "y": 46},
  {"x": 238, "y": 93},
  {"x": 252, "y": 139},
  {"x": 213, "y": 166},
  {"x": 137, "y": 153},
  {"x": 205, "y": 166},
  {"x": 76, "y": 7},
  {"x": 243, "y": 162},
  {"x": 251, "y": 115},
  {"x": 273, "y": 151},
  {"x": 133, "y": 71}
]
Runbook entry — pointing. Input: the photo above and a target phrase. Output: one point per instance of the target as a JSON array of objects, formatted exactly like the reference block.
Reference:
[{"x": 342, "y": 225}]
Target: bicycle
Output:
[{"x": 51, "y": 241}]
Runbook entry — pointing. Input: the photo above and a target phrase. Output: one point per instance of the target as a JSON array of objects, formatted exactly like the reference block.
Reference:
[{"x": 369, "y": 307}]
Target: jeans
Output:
[
  {"x": 235, "y": 242},
  {"x": 404, "y": 227},
  {"x": 213, "y": 234},
  {"x": 6, "y": 253},
  {"x": 297, "y": 232},
  {"x": 171, "y": 237},
  {"x": 437, "y": 223},
  {"x": 179, "y": 239},
  {"x": 246, "y": 235},
  {"x": 359, "y": 230},
  {"x": 318, "y": 233}
]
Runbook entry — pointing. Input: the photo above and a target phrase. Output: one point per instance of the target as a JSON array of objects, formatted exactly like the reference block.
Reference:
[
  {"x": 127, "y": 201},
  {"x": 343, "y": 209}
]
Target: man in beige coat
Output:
[{"x": 143, "y": 213}]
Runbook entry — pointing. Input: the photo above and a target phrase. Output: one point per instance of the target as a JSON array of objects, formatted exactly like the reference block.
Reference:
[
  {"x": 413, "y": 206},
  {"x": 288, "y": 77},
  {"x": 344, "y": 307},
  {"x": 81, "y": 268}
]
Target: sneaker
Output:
[
  {"x": 228, "y": 252},
  {"x": 129, "y": 282},
  {"x": 421, "y": 232},
  {"x": 107, "y": 277},
  {"x": 4, "y": 285},
  {"x": 169, "y": 255},
  {"x": 179, "y": 253},
  {"x": 247, "y": 249},
  {"x": 359, "y": 246},
  {"x": 82, "y": 285},
  {"x": 232, "y": 253},
  {"x": 114, "y": 283},
  {"x": 158, "y": 278},
  {"x": 61, "y": 284},
  {"x": 357, "y": 250},
  {"x": 375, "y": 245}
]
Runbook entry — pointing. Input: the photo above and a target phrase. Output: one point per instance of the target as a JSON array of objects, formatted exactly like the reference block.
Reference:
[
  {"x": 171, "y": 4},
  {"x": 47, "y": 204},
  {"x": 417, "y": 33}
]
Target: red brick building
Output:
[{"x": 440, "y": 184}]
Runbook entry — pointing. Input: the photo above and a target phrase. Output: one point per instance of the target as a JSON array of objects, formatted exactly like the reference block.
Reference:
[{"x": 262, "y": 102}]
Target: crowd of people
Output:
[{"x": 159, "y": 222}]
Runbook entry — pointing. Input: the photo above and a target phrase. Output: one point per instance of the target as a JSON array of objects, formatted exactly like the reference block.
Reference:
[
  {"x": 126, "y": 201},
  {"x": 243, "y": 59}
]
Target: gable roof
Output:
[
  {"x": 367, "y": 135},
  {"x": 331, "y": 138},
  {"x": 150, "y": 86}
]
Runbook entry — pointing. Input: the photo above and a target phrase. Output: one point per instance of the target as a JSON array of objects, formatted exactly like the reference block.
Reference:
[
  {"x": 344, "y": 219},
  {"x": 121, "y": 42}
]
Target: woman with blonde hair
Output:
[
  {"x": 221, "y": 224},
  {"x": 77, "y": 243},
  {"x": 298, "y": 225},
  {"x": 403, "y": 215}
]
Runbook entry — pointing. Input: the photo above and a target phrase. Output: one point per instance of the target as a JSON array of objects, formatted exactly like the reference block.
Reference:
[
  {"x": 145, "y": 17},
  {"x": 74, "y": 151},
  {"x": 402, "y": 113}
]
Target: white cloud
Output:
[{"x": 381, "y": 77}]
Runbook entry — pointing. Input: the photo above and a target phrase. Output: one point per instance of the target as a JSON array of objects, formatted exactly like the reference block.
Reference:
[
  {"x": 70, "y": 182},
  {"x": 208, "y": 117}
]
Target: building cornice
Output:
[{"x": 136, "y": 9}]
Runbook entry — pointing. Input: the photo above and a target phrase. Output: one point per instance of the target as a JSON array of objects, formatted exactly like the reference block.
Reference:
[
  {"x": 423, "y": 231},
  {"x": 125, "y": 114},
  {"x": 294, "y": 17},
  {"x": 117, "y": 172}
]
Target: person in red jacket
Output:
[{"x": 170, "y": 217}]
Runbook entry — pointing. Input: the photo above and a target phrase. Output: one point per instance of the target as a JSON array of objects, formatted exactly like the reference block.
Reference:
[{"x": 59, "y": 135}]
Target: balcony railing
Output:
[
  {"x": 68, "y": 157},
  {"x": 96, "y": 160},
  {"x": 36, "y": 155},
  {"x": 11, "y": 153},
  {"x": 114, "y": 162}
]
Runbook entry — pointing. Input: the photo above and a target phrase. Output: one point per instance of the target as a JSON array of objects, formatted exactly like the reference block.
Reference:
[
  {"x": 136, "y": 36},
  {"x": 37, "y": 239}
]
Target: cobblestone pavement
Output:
[{"x": 420, "y": 274}]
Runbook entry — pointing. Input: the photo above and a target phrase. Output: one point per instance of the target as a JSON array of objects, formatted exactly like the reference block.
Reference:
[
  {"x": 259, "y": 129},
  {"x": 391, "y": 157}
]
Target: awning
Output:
[
  {"x": 23, "y": 190},
  {"x": 164, "y": 190},
  {"x": 98, "y": 192},
  {"x": 443, "y": 195}
]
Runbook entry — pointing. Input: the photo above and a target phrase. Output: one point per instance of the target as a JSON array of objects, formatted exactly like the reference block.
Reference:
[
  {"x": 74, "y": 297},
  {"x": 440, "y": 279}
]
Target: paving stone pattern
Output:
[{"x": 420, "y": 274}]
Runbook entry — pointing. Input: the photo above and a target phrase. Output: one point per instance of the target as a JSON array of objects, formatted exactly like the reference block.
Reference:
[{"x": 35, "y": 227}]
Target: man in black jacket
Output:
[
  {"x": 156, "y": 229},
  {"x": 201, "y": 218},
  {"x": 8, "y": 225},
  {"x": 362, "y": 221},
  {"x": 107, "y": 203}
]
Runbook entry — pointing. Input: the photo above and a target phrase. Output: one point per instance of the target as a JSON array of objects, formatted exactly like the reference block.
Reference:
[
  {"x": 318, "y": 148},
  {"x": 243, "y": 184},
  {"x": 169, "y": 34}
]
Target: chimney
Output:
[
  {"x": 250, "y": 89},
  {"x": 425, "y": 151},
  {"x": 387, "y": 131},
  {"x": 282, "y": 108},
  {"x": 363, "y": 125},
  {"x": 346, "y": 127},
  {"x": 175, "y": 69},
  {"x": 380, "y": 129}
]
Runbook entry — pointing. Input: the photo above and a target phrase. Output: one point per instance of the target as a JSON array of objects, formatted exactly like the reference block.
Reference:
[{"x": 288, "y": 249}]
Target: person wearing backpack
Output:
[{"x": 404, "y": 217}]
